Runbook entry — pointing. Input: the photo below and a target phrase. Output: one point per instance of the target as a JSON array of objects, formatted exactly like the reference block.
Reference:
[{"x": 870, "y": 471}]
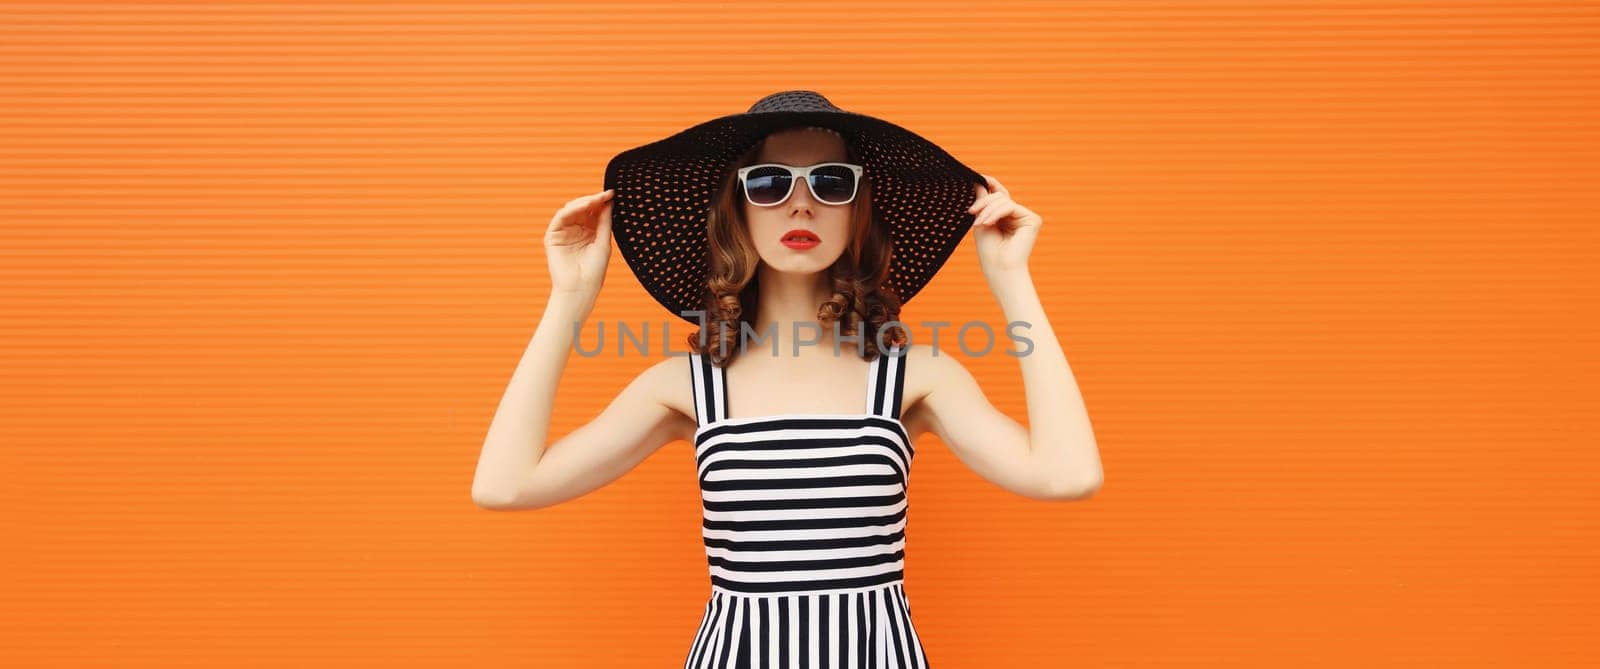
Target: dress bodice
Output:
[{"x": 802, "y": 513}]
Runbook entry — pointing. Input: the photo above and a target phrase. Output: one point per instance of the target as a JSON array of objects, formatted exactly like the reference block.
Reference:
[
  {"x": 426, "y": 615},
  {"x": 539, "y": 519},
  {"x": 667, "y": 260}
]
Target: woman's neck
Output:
[{"x": 787, "y": 299}]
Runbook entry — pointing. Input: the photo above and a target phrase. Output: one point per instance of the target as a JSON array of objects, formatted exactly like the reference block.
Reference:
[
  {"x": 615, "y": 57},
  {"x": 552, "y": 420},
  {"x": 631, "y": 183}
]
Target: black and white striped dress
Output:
[{"x": 804, "y": 527}]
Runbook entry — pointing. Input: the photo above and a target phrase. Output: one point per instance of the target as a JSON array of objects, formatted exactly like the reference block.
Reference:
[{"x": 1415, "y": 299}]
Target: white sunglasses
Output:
[{"x": 770, "y": 184}]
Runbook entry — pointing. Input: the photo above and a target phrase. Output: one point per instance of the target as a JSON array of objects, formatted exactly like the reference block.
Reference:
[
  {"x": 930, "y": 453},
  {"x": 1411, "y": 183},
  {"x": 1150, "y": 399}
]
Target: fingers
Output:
[
  {"x": 986, "y": 201},
  {"x": 600, "y": 202},
  {"x": 588, "y": 200},
  {"x": 602, "y": 230},
  {"x": 993, "y": 204},
  {"x": 995, "y": 213},
  {"x": 987, "y": 194},
  {"x": 575, "y": 220},
  {"x": 586, "y": 203}
]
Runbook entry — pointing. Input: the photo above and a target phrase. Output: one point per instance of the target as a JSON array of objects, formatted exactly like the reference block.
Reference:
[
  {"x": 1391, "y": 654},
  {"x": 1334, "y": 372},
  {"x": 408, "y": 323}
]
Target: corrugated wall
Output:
[{"x": 1323, "y": 270}]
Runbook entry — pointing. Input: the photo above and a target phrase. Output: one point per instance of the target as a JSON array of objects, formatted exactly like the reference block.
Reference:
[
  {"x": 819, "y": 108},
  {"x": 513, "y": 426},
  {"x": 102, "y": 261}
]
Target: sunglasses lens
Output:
[
  {"x": 767, "y": 185},
  {"x": 834, "y": 184}
]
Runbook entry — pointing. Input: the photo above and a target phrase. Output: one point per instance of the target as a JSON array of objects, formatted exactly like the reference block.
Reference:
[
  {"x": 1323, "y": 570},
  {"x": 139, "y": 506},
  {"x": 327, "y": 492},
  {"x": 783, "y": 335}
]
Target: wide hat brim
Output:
[{"x": 663, "y": 190}]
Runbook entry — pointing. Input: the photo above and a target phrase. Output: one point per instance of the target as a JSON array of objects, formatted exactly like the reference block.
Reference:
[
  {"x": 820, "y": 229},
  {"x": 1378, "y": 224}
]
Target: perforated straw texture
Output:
[{"x": 664, "y": 189}]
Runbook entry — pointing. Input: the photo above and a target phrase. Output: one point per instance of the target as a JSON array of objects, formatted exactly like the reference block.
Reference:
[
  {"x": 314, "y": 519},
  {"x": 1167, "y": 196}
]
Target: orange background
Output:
[{"x": 1319, "y": 268}]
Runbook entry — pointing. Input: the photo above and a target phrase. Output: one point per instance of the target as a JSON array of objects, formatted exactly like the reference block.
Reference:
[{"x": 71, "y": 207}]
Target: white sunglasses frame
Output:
[{"x": 796, "y": 175}]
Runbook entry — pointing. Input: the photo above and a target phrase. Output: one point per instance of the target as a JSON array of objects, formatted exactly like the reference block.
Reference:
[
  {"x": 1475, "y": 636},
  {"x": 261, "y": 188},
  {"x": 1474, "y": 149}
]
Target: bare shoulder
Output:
[
  {"x": 668, "y": 382},
  {"x": 927, "y": 367}
]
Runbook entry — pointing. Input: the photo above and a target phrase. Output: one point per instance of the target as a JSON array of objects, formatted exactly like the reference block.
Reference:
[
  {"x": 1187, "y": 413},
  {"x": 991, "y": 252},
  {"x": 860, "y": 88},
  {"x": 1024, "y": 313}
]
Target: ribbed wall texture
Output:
[{"x": 1323, "y": 270}]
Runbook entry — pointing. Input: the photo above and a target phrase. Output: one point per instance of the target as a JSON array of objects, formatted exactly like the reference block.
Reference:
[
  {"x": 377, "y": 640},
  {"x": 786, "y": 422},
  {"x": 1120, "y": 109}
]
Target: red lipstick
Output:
[{"x": 800, "y": 240}]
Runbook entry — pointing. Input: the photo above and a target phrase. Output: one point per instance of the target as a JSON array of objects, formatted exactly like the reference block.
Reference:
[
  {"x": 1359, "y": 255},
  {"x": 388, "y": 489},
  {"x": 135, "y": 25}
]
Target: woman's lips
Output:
[{"x": 800, "y": 239}]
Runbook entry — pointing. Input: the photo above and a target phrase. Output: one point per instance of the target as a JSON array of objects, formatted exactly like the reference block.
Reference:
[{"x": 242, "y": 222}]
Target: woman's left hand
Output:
[{"x": 1005, "y": 230}]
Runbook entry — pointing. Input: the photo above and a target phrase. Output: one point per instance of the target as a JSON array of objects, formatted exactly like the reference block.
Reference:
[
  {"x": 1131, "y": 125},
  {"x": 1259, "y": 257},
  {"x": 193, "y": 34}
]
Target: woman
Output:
[{"x": 803, "y": 474}]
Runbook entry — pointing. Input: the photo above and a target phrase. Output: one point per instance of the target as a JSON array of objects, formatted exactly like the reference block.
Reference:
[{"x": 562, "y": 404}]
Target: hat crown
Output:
[{"x": 793, "y": 101}]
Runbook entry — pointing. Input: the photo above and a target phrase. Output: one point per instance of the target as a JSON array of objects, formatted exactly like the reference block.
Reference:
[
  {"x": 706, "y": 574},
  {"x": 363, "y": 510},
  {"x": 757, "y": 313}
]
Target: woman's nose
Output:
[{"x": 801, "y": 197}]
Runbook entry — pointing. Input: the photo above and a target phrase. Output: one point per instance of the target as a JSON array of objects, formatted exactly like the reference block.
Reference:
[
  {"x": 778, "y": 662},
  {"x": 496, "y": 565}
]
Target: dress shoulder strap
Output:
[
  {"x": 885, "y": 383},
  {"x": 710, "y": 390}
]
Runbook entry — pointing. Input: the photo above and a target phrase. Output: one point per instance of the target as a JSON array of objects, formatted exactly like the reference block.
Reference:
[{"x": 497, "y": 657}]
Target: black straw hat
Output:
[{"x": 664, "y": 189}]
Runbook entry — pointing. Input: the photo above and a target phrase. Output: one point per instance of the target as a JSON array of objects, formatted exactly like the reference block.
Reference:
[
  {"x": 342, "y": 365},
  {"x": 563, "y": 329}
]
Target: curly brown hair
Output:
[{"x": 861, "y": 294}]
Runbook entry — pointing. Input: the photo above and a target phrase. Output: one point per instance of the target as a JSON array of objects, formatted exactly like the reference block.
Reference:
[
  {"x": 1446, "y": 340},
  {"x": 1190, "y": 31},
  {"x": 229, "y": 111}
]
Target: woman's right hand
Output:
[{"x": 578, "y": 245}]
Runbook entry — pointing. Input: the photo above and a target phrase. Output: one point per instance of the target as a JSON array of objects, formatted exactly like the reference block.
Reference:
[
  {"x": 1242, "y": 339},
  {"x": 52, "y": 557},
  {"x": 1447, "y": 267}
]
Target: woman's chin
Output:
[{"x": 798, "y": 262}]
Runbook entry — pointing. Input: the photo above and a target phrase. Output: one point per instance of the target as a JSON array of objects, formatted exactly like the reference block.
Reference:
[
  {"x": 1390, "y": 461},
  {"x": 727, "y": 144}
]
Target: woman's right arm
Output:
[
  {"x": 516, "y": 471},
  {"x": 515, "y": 468}
]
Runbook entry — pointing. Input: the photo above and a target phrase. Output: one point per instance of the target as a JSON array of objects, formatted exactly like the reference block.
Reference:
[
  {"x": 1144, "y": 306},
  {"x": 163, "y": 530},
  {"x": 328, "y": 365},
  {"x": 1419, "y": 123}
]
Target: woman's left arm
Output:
[{"x": 1058, "y": 447}]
